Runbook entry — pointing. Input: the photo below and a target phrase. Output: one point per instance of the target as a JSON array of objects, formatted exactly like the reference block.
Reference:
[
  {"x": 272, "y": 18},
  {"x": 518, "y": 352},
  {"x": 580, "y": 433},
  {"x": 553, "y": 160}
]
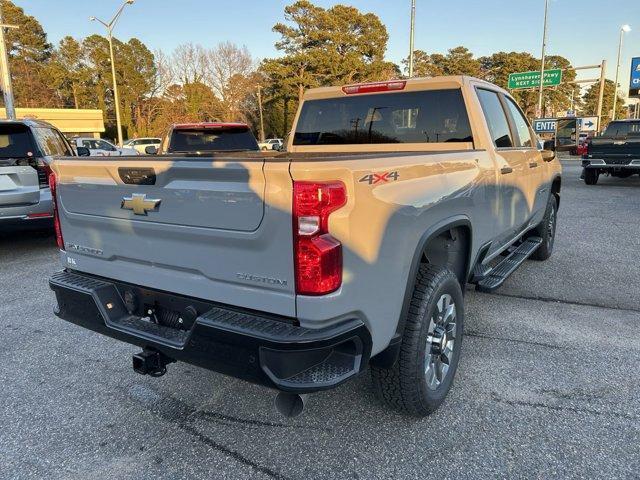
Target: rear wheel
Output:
[
  {"x": 591, "y": 176},
  {"x": 421, "y": 377}
]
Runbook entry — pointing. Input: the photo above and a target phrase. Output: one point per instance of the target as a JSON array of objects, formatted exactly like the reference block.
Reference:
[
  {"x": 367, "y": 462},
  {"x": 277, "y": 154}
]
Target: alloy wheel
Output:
[{"x": 441, "y": 341}]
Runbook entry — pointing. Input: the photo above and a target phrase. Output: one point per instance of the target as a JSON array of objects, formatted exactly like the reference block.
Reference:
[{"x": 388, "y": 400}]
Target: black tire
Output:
[
  {"x": 546, "y": 230},
  {"x": 409, "y": 386},
  {"x": 591, "y": 176}
]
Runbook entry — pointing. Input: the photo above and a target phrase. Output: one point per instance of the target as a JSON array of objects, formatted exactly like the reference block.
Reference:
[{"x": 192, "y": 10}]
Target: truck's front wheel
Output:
[{"x": 423, "y": 374}]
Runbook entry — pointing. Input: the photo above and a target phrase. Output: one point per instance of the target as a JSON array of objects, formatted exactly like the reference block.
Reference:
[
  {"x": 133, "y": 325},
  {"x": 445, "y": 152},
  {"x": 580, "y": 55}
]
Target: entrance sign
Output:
[{"x": 544, "y": 125}]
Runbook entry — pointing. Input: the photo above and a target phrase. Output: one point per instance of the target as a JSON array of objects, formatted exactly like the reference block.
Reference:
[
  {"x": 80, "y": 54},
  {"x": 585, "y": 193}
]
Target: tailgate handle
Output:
[{"x": 137, "y": 176}]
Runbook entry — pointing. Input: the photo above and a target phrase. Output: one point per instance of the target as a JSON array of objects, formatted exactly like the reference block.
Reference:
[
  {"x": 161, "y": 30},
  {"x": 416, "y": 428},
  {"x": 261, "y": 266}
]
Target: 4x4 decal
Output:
[{"x": 385, "y": 177}]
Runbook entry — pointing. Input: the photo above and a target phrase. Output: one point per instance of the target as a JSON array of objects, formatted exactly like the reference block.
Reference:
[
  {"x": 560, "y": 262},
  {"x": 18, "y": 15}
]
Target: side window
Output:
[
  {"x": 496, "y": 118},
  {"x": 522, "y": 126},
  {"x": 105, "y": 146},
  {"x": 64, "y": 142},
  {"x": 50, "y": 143}
]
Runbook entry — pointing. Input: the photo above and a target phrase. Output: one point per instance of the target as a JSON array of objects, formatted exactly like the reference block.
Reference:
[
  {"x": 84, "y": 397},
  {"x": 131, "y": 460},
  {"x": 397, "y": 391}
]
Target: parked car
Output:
[
  {"x": 271, "y": 144},
  {"x": 26, "y": 149},
  {"x": 102, "y": 148},
  {"x": 205, "y": 138},
  {"x": 580, "y": 149},
  {"x": 298, "y": 271},
  {"x": 616, "y": 152},
  {"x": 140, "y": 144}
]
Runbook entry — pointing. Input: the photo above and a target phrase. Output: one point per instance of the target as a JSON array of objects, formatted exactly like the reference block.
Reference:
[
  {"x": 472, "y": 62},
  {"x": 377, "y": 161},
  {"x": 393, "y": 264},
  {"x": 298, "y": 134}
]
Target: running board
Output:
[{"x": 508, "y": 265}]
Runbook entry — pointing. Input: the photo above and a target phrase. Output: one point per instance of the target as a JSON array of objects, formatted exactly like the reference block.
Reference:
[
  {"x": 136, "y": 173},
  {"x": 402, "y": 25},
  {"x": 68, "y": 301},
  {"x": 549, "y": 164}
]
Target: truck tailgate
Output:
[{"x": 212, "y": 229}]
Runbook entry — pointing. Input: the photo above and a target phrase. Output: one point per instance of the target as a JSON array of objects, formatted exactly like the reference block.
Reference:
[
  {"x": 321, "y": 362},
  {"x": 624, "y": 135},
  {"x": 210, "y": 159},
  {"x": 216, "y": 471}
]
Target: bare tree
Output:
[
  {"x": 189, "y": 63},
  {"x": 231, "y": 74}
]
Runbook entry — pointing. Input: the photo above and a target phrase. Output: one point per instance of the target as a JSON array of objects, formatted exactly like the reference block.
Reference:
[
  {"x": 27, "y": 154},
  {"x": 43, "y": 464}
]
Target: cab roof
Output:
[
  {"x": 397, "y": 85},
  {"x": 29, "y": 122}
]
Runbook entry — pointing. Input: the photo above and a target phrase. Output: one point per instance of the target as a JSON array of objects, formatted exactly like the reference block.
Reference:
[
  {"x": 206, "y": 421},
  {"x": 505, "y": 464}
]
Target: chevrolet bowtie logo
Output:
[{"x": 140, "y": 204}]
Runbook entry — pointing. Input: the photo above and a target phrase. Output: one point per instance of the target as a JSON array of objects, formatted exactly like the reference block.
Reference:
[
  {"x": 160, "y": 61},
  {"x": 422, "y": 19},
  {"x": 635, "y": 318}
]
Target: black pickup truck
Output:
[{"x": 616, "y": 152}]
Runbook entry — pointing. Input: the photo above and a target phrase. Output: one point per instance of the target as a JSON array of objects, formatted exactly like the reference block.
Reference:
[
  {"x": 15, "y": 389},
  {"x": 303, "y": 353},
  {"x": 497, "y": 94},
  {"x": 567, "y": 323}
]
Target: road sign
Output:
[
  {"x": 589, "y": 124},
  {"x": 544, "y": 125},
  {"x": 532, "y": 79},
  {"x": 634, "y": 84}
]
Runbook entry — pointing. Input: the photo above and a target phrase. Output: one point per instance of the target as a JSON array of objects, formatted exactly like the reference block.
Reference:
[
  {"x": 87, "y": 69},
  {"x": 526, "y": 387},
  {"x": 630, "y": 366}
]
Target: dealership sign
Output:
[{"x": 634, "y": 85}]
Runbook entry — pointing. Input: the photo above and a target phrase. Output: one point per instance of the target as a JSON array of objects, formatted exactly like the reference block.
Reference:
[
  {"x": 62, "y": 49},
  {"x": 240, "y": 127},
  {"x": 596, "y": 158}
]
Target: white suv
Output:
[
  {"x": 140, "y": 144},
  {"x": 102, "y": 148}
]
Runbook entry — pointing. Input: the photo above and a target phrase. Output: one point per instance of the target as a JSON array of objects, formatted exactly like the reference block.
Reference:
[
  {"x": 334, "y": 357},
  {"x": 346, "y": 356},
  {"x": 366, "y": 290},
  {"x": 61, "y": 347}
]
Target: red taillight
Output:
[
  {"x": 318, "y": 256},
  {"x": 53, "y": 184},
  {"x": 375, "y": 87}
]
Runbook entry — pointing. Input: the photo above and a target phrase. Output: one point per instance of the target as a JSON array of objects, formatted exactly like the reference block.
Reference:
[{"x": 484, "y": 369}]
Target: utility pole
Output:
[
  {"x": 109, "y": 26},
  {"x": 603, "y": 69},
  {"x": 7, "y": 88},
  {"x": 623, "y": 30},
  {"x": 412, "y": 32},
  {"x": 544, "y": 46},
  {"x": 261, "y": 117}
]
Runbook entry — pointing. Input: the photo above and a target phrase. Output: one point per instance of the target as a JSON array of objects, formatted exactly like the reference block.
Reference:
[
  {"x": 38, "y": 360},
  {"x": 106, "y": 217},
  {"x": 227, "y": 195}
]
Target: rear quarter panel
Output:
[{"x": 382, "y": 224}]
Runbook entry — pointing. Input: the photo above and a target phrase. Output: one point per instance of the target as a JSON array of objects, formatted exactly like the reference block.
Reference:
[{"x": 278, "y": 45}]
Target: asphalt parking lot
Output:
[{"x": 548, "y": 385}]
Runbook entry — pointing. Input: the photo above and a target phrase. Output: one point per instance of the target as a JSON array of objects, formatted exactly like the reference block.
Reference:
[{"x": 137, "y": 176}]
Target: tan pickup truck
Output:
[{"x": 298, "y": 270}]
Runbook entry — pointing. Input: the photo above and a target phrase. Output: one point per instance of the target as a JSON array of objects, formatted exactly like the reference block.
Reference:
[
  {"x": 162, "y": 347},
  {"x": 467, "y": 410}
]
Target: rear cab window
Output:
[
  {"x": 437, "y": 116},
  {"x": 623, "y": 130},
  {"x": 199, "y": 139}
]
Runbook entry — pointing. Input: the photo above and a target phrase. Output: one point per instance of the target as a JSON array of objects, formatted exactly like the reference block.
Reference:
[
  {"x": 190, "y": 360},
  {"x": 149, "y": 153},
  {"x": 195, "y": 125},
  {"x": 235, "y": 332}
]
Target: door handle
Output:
[
  {"x": 505, "y": 170},
  {"x": 533, "y": 164}
]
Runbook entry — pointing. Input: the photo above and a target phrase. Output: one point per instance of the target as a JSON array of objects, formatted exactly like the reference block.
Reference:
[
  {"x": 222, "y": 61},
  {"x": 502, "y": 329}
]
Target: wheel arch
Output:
[
  {"x": 429, "y": 245},
  {"x": 556, "y": 185}
]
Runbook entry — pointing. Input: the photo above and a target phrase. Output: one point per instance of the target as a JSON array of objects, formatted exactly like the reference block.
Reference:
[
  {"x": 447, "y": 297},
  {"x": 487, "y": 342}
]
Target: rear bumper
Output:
[
  {"x": 259, "y": 348},
  {"x": 606, "y": 164},
  {"x": 38, "y": 213}
]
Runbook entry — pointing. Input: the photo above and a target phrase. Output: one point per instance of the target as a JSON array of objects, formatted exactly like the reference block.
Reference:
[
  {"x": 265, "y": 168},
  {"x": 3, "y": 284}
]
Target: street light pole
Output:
[
  {"x": 603, "y": 70},
  {"x": 116, "y": 98},
  {"x": 109, "y": 26},
  {"x": 7, "y": 88},
  {"x": 411, "y": 36},
  {"x": 544, "y": 46},
  {"x": 623, "y": 30}
]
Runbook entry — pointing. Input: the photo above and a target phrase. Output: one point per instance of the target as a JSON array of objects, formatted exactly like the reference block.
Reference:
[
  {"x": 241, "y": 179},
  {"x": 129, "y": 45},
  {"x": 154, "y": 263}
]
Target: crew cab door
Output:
[
  {"x": 535, "y": 186},
  {"x": 511, "y": 210}
]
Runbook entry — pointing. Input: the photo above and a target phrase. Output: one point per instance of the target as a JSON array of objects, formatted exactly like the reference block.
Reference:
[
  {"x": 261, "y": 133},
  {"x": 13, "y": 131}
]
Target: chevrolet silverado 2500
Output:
[{"x": 299, "y": 270}]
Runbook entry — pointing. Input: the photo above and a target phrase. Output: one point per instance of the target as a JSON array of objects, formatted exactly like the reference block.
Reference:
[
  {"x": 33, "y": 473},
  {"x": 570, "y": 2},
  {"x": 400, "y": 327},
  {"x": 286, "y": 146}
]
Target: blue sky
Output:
[{"x": 585, "y": 31}]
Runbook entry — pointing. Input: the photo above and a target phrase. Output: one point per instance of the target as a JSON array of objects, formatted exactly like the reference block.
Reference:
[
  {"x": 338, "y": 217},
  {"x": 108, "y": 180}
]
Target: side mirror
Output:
[
  {"x": 549, "y": 145},
  {"x": 83, "y": 152},
  {"x": 151, "y": 150},
  {"x": 548, "y": 155}
]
